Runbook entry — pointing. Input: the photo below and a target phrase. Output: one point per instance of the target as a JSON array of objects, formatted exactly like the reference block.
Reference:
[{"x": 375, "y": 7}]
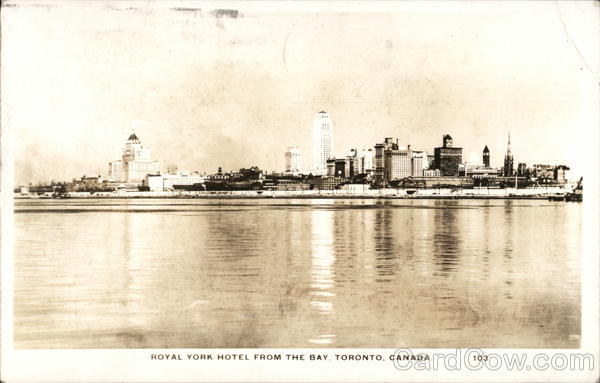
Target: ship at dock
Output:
[{"x": 576, "y": 195}]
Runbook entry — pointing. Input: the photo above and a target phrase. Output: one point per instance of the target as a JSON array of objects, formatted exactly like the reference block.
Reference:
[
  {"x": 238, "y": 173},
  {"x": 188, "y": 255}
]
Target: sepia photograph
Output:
[{"x": 322, "y": 177}]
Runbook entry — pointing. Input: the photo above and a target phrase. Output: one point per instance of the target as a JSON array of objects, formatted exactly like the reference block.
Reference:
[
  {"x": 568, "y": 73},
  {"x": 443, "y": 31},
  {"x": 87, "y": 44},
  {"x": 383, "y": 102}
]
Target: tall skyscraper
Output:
[
  {"x": 322, "y": 142},
  {"x": 293, "y": 160},
  {"x": 135, "y": 163},
  {"x": 486, "y": 157},
  {"x": 508, "y": 160}
]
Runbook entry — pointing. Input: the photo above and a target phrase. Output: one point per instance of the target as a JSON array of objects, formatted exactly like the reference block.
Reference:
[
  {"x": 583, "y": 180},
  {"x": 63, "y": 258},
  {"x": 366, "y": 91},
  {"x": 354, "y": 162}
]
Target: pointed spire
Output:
[
  {"x": 508, "y": 147},
  {"x": 486, "y": 150}
]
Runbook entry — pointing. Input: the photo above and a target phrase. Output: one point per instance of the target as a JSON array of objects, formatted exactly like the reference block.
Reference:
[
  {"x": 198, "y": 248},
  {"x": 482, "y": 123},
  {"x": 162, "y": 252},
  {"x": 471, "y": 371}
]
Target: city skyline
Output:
[
  {"x": 94, "y": 91},
  {"x": 384, "y": 162}
]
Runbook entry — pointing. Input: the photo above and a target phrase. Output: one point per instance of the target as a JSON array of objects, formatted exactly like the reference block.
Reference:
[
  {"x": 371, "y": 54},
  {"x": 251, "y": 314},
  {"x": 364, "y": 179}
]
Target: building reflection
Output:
[
  {"x": 322, "y": 275},
  {"x": 508, "y": 246},
  {"x": 384, "y": 241},
  {"x": 446, "y": 237},
  {"x": 487, "y": 250},
  {"x": 322, "y": 260}
]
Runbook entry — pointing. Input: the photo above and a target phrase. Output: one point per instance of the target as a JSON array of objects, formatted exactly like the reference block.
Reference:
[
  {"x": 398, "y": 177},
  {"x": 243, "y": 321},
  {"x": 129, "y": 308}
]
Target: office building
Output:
[
  {"x": 447, "y": 157},
  {"x": 394, "y": 162},
  {"x": 379, "y": 163},
  {"x": 398, "y": 164},
  {"x": 365, "y": 161},
  {"x": 322, "y": 143},
  {"x": 420, "y": 163},
  {"x": 293, "y": 160}
]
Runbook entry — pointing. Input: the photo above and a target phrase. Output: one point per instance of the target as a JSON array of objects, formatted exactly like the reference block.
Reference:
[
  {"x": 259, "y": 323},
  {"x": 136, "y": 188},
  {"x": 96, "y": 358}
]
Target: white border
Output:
[{"x": 135, "y": 365}]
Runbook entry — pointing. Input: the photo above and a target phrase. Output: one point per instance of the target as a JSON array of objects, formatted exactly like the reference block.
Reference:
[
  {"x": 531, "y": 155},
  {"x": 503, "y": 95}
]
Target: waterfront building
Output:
[
  {"x": 219, "y": 175},
  {"x": 86, "y": 183},
  {"x": 508, "y": 160},
  {"x": 486, "y": 157},
  {"x": 447, "y": 157},
  {"x": 134, "y": 164},
  {"x": 288, "y": 185},
  {"x": 327, "y": 183},
  {"x": 442, "y": 182},
  {"x": 169, "y": 182},
  {"x": 293, "y": 160},
  {"x": 522, "y": 169},
  {"x": 355, "y": 188},
  {"x": 476, "y": 171},
  {"x": 322, "y": 142}
]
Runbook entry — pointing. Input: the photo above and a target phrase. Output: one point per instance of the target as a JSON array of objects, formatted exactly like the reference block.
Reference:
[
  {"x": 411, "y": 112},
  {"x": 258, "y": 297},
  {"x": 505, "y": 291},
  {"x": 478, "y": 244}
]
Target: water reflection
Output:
[
  {"x": 447, "y": 236},
  {"x": 384, "y": 240},
  {"x": 508, "y": 247},
  {"x": 286, "y": 273},
  {"x": 321, "y": 272}
]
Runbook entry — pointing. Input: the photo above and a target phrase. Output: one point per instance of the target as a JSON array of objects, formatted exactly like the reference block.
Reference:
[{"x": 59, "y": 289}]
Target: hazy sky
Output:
[{"x": 204, "y": 90}]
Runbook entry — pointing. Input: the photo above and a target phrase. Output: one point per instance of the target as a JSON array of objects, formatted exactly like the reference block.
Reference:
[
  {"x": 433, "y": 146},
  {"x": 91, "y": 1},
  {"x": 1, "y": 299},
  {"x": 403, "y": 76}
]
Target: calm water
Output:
[{"x": 296, "y": 273}]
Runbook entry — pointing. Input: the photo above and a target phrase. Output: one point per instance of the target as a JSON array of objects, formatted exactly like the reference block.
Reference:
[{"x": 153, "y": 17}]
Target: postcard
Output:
[{"x": 299, "y": 191}]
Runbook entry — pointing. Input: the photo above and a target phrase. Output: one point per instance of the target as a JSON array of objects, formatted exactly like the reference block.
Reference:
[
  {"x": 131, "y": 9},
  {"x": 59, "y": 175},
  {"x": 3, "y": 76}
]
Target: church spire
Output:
[{"x": 508, "y": 160}]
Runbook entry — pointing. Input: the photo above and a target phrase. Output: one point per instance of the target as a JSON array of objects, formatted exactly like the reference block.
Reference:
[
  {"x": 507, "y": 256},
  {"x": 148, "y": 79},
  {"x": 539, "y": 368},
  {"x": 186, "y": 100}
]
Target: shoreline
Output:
[
  {"x": 480, "y": 194},
  {"x": 476, "y": 197}
]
